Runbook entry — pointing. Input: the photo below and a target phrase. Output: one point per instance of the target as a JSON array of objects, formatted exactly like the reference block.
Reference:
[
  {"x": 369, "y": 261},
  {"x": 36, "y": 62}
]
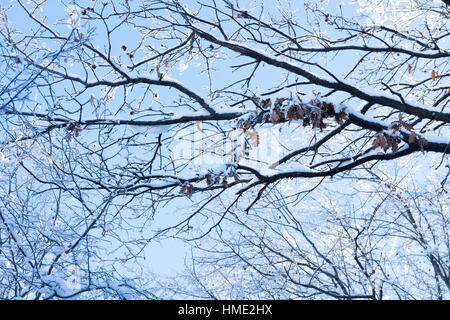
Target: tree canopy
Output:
[{"x": 300, "y": 149}]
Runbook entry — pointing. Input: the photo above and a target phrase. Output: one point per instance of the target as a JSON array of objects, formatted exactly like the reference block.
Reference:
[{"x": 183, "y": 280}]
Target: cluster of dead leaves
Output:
[
  {"x": 187, "y": 189},
  {"x": 73, "y": 129},
  {"x": 278, "y": 111},
  {"x": 215, "y": 179},
  {"x": 420, "y": 140},
  {"x": 253, "y": 137},
  {"x": 413, "y": 136},
  {"x": 312, "y": 113},
  {"x": 387, "y": 141},
  {"x": 211, "y": 179},
  {"x": 219, "y": 179}
]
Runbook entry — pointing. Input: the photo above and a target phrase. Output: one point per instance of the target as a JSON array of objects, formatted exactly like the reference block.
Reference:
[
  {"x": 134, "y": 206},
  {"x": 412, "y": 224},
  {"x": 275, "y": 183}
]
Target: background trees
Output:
[
  {"x": 391, "y": 243},
  {"x": 262, "y": 133}
]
